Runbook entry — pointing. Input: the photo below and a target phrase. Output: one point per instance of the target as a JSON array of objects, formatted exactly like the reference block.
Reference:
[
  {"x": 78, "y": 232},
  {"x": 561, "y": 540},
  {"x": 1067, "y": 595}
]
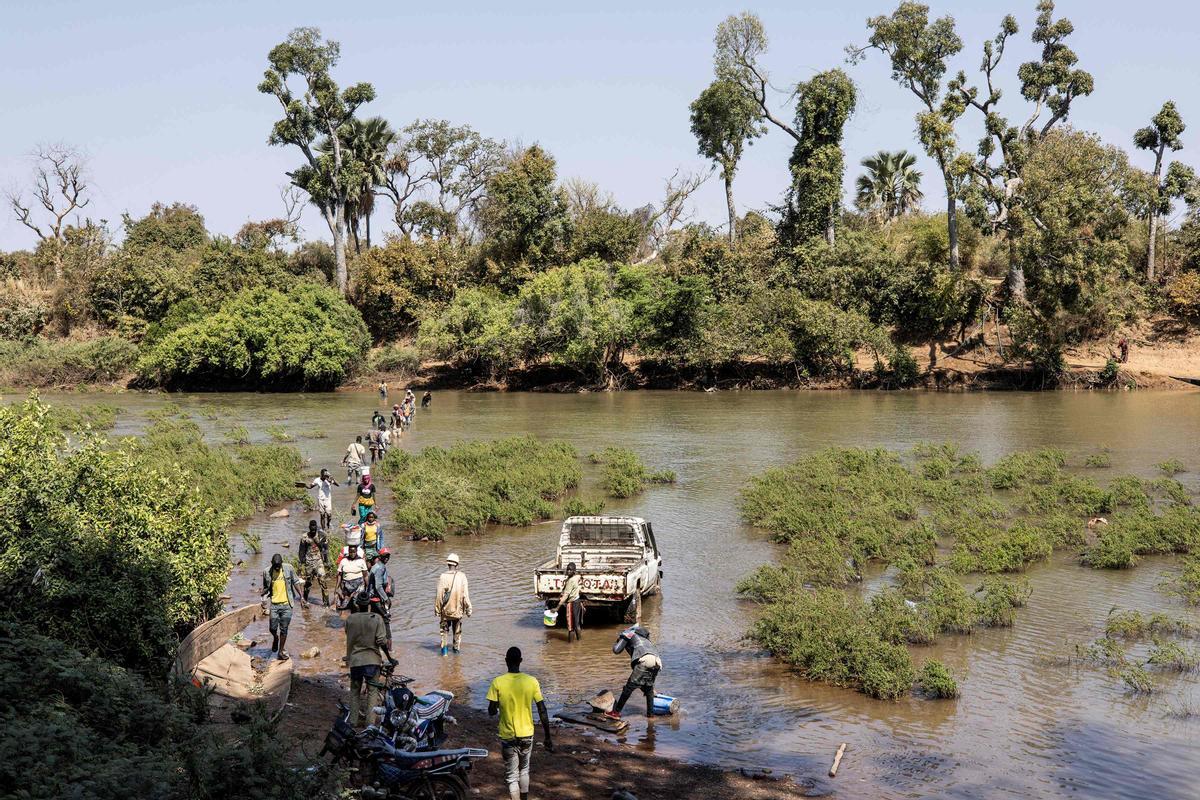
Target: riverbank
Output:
[
  {"x": 582, "y": 767},
  {"x": 1162, "y": 350}
]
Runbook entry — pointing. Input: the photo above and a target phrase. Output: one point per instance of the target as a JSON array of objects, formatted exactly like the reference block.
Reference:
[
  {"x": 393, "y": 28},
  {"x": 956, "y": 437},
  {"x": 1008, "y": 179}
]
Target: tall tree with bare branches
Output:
[{"x": 60, "y": 188}]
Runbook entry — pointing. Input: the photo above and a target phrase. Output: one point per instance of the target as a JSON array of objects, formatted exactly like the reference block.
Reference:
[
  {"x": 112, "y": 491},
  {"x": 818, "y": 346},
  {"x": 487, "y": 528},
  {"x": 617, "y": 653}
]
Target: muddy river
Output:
[{"x": 1023, "y": 726}]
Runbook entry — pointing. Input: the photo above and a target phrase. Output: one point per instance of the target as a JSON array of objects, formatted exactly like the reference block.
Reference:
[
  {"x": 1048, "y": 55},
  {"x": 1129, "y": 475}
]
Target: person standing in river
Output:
[
  {"x": 280, "y": 587},
  {"x": 452, "y": 603},
  {"x": 512, "y": 696},
  {"x": 645, "y": 666},
  {"x": 383, "y": 390},
  {"x": 366, "y": 647},
  {"x": 372, "y": 536},
  {"x": 314, "y": 560},
  {"x": 380, "y": 589},
  {"x": 356, "y": 454},
  {"x": 426, "y": 400},
  {"x": 572, "y": 601},
  {"x": 364, "y": 499},
  {"x": 351, "y": 574},
  {"x": 324, "y": 484}
]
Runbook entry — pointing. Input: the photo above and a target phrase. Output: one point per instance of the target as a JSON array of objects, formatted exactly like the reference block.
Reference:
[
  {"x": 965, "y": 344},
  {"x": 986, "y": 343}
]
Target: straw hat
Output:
[{"x": 452, "y": 559}]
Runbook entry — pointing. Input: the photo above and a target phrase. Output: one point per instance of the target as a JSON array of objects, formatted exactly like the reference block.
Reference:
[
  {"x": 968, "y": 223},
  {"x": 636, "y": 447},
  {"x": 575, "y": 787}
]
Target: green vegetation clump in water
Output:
[
  {"x": 1172, "y": 466},
  {"x": 1186, "y": 583},
  {"x": 624, "y": 474},
  {"x": 936, "y": 681},
  {"x": 234, "y": 481},
  {"x": 583, "y": 507},
  {"x": 1098, "y": 460},
  {"x": 932, "y": 515},
  {"x": 512, "y": 481},
  {"x": 1172, "y": 656},
  {"x": 279, "y": 433},
  {"x": 93, "y": 416},
  {"x": 828, "y": 635}
]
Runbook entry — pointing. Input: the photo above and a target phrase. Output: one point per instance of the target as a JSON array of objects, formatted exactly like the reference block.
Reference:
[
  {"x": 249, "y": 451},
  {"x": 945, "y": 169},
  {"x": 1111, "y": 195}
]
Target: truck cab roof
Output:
[{"x": 602, "y": 530}]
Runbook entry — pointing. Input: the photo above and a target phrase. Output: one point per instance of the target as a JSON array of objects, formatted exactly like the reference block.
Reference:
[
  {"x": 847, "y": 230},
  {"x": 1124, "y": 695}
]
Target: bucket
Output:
[
  {"x": 664, "y": 705},
  {"x": 549, "y": 618}
]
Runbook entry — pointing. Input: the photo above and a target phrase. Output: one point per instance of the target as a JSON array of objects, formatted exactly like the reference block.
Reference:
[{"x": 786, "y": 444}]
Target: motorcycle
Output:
[
  {"x": 410, "y": 721},
  {"x": 386, "y": 772}
]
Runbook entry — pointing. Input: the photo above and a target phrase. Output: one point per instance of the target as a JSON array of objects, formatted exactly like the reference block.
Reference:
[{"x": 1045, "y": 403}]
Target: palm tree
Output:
[
  {"x": 891, "y": 186},
  {"x": 366, "y": 145}
]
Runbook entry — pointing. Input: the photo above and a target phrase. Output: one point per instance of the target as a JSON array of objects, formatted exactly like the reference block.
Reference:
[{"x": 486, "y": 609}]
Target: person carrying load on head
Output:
[
  {"x": 451, "y": 603},
  {"x": 645, "y": 664},
  {"x": 573, "y": 601}
]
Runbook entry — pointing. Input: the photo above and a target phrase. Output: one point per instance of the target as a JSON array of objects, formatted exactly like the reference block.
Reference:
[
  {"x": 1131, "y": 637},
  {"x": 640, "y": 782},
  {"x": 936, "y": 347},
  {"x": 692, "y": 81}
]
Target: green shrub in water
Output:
[
  {"x": 583, "y": 507},
  {"x": 827, "y": 636},
  {"x": 624, "y": 474},
  {"x": 460, "y": 489},
  {"x": 935, "y": 680},
  {"x": 1186, "y": 583},
  {"x": 999, "y": 599},
  {"x": 279, "y": 434},
  {"x": 1169, "y": 655},
  {"x": 1136, "y": 679},
  {"x": 1099, "y": 460},
  {"x": 1136, "y": 625},
  {"x": 1172, "y": 466}
]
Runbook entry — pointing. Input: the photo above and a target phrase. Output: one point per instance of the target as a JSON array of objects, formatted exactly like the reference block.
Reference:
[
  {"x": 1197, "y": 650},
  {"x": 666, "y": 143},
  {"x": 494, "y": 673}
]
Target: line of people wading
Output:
[{"x": 362, "y": 585}]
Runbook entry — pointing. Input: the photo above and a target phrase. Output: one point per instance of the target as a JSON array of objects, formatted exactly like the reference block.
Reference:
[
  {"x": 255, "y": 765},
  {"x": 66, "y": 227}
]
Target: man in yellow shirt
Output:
[
  {"x": 281, "y": 589},
  {"x": 512, "y": 695}
]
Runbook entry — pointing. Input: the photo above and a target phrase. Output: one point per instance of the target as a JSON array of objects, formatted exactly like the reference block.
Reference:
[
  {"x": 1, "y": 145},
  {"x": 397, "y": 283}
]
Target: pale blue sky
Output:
[{"x": 162, "y": 95}]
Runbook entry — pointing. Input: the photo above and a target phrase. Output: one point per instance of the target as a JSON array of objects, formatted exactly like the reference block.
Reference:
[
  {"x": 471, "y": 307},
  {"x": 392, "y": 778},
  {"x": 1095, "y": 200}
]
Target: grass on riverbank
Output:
[
  {"x": 58, "y": 363},
  {"x": 513, "y": 481},
  {"x": 931, "y": 515},
  {"x": 624, "y": 474}
]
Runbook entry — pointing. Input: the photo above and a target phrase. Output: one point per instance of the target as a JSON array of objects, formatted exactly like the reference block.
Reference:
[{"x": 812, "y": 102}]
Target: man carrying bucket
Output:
[{"x": 574, "y": 603}]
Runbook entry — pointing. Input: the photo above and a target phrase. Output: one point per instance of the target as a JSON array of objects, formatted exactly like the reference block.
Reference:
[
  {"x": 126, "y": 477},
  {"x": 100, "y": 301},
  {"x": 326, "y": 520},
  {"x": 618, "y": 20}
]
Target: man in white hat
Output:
[{"x": 452, "y": 602}]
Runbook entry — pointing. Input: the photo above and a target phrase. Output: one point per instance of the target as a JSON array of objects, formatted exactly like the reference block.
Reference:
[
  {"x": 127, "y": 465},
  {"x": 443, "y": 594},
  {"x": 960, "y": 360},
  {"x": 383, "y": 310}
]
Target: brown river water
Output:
[{"x": 1023, "y": 726}]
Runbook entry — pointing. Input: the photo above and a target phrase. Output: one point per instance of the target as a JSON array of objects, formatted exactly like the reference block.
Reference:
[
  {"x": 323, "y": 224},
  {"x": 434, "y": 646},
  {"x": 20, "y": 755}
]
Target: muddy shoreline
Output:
[{"x": 582, "y": 767}]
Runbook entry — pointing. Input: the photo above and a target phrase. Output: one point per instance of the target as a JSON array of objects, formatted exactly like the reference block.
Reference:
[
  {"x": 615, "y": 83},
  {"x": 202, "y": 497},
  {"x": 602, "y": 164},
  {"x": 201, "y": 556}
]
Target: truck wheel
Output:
[{"x": 632, "y": 609}]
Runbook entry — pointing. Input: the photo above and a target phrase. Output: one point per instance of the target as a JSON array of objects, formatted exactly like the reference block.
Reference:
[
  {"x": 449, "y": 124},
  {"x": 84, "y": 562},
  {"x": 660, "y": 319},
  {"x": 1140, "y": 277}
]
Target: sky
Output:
[{"x": 162, "y": 95}]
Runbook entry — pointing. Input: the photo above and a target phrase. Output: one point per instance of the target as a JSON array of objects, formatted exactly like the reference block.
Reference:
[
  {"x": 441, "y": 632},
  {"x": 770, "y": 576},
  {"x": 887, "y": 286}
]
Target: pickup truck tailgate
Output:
[{"x": 597, "y": 584}]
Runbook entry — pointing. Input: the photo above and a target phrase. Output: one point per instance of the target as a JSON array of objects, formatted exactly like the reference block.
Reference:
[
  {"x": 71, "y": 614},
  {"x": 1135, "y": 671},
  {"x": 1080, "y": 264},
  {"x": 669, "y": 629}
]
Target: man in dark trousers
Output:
[
  {"x": 645, "y": 664},
  {"x": 512, "y": 696},
  {"x": 314, "y": 560},
  {"x": 366, "y": 647}
]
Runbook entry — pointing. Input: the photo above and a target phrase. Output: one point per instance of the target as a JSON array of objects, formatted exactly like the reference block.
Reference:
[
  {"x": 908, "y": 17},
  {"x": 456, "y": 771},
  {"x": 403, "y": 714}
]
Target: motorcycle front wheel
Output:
[{"x": 437, "y": 787}]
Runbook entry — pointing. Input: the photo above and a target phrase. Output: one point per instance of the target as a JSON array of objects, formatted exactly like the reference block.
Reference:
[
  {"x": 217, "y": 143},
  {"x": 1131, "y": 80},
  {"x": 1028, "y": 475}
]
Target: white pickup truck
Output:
[{"x": 617, "y": 560}]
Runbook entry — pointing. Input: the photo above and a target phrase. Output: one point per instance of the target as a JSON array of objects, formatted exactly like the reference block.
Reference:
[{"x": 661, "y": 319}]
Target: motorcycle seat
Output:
[{"x": 431, "y": 705}]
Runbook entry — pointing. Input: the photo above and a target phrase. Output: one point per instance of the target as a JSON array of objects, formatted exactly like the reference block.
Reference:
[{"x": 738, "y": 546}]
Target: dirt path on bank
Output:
[{"x": 583, "y": 767}]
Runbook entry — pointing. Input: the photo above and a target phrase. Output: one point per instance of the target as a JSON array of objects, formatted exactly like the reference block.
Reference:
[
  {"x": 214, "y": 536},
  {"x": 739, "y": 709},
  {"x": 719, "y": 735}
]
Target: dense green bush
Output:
[
  {"x": 73, "y": 725},
  {"x": 936, "y": 680},
  {"x": 96, "y": 534},
  {"x": 396, "y": 358},
  {"x": 47, "y": 363},
  {"x": 306, "y": 337},
  {"x": 624, "y": 474},
  {"x": 24, "y": 312},
  {"x": 474, "y": 332},
  {"x": 460, "y": 489},
  {"x": 405, "y": 281}
]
